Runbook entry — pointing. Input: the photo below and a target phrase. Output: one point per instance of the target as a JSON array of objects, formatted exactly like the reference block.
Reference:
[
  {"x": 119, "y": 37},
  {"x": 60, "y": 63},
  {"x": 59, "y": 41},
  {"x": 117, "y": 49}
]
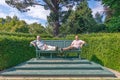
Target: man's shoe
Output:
[
  {"x": 56, "y": 48},
  {"x": 61, "y": 49}
]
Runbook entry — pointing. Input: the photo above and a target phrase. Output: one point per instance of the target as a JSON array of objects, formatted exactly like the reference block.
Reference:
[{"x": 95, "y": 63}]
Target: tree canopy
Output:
[
  {"x": 112, "y": 10},
  {"x": 55, "y": 6},
  {"x": 15, "y": 25},
  {"x": 79, "y": 20}
]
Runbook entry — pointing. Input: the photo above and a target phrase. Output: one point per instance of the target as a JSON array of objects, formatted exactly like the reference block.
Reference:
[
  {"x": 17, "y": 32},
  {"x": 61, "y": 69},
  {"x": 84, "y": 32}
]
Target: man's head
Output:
[
  {"x": 76, "y": 37},
  {"x": 38, "y": 37}
]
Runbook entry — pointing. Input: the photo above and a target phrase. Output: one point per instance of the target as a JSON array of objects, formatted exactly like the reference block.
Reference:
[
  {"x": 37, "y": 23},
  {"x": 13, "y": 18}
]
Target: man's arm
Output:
[
  {"x": 72, "y": 43},
  {"x": 82, "y": 43},
  {"x": 33, "y": 43}
]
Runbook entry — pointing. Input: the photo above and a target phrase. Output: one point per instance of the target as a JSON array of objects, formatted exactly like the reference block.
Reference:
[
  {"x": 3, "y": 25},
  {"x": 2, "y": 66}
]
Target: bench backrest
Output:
[{"x": 59, "y": 43}]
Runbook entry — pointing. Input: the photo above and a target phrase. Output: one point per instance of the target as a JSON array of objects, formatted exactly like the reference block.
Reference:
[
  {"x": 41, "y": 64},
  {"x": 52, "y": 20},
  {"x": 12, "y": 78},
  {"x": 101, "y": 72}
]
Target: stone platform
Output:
[{"x": 58, "y": 67}]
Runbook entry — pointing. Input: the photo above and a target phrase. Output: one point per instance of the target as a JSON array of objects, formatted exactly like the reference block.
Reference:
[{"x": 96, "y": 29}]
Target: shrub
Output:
[
  {"x": 25, "y": 34},
  {"x": 14, "y": 50},
  {"x": 102, "y": 48}
]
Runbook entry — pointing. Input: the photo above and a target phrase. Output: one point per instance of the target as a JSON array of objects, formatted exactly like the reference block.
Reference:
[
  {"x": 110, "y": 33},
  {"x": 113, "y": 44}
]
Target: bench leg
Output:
[
  {"x": 37, "y": 55},
  {"x": 64, "y": 55},
  {"x": 50, "y": 55},
  {"x": 79, "y": 56}
]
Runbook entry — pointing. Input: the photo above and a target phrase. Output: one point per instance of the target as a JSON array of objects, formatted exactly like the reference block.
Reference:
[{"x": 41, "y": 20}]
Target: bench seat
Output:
[{"x": 60, "y": 44}]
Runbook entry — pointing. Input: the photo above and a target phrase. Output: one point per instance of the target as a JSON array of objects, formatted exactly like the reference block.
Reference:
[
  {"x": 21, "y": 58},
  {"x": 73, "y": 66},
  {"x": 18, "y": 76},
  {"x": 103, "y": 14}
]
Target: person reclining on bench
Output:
[
  {"x": 42, "y": 46},
  {"x": 76, "y": 44}
]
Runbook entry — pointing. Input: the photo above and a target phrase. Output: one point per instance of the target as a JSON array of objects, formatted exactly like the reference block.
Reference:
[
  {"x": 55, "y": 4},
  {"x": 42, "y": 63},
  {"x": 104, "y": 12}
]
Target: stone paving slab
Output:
[
  {"x": 64, "y": 78},
  {"x": 57, "y": 78},
  {"x": 62, "y": 72}
]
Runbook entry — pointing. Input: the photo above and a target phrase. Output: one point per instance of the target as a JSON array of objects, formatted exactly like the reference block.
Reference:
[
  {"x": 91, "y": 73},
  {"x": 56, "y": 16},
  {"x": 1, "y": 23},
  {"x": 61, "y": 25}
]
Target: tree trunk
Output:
[
  {"x": 56, "y": 28},
  {"x": 56, "y": 23},
  {"x": 54, "y": 8}
]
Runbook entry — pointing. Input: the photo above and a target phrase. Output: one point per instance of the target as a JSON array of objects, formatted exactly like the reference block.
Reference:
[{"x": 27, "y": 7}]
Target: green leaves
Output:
[
  {"x": 113, "y": 15},
  {"x": 102, "y": 48},
  {"x": 113, "y": 24},
  {"x": 80, "y": 20},
  {"x": 15, "y": 25},
  {"x": 114, "y": 5},
  {"x": 14, "y": 50}
]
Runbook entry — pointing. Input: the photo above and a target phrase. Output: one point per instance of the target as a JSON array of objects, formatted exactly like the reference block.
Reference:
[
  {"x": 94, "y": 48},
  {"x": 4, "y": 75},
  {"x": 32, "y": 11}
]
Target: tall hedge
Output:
[
  {"x": 102, "y": 48},
  {"x": 14, "y": 50}
]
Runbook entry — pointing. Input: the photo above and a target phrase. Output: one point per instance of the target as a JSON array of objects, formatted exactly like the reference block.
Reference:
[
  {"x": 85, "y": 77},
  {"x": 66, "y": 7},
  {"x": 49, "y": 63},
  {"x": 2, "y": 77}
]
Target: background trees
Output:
[
  {"x": 36, "y": 28},
  {"x": 114, "y": 5},
  {"x": 15, "y": 25},
  {"x": 60, "y": 22},
  {"x": 80, "y": 20},
  {"x": 112, "y": 10},
  {"x": 55, "y": 7}
]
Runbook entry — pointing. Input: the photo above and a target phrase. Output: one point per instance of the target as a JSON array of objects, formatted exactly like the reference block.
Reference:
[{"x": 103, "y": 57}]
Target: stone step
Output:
[
  {"x": 58, "y": 61},
  {"x": 59, "y": 67},
  {"x": 80, "y": 73}
]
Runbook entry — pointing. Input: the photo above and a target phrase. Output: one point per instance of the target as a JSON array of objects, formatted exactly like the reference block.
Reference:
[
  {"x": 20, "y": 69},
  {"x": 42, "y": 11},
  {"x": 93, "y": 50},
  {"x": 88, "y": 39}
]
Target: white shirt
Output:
[
  {"x": 39, "y": 43},
  {"x": 77, "y": 43}
]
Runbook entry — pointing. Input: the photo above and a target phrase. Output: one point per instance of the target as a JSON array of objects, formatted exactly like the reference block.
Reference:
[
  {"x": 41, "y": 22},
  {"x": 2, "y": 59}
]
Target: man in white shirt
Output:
[
  {"x": 76, "y": 44},
  {"x": 41, "y": 45}
]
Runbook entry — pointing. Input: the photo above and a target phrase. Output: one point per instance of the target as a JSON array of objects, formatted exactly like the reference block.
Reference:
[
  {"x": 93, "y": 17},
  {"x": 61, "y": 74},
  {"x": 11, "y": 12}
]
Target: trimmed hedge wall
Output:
[
  {"x": 24, "y": 34},
  {"x": 14, "y": 50},
  {"x": 102, "y": 48}
]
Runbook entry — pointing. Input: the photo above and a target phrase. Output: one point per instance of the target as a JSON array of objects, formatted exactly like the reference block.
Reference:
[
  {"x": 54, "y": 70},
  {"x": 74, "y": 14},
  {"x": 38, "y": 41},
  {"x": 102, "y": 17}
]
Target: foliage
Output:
[
  {"x": 79, "y": 21},
  {"x": 100, "y": 28},
  {"x": 55, "y": 7},
  {"x": 105, "y": 48},
  {"x": 15, "y": 25},
  {"x": 113, "y": 24},
  {"x": 114, "y": 5},
  {"x": 75, "y": 21},
  {"x": 98, "y": 17},
  {"x": 14, "y": 50},
  {"x": 17, "y": 34},
  {"x": 49, "y": 29},
  {"x": 20, "y": 26},
  {"x": 24, "y": 34},
  {"x": 113, "y": 14},
  {"x": 102, "y": 48},
  {"x": 36, "y": 29},
  {"x": 57, "y": 15}
]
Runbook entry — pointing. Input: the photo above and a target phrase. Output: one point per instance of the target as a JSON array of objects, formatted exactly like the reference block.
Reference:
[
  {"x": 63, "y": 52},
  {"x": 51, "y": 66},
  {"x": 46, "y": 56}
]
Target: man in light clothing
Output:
[
  {"x": 76, "y": 44},
  {"x": 41, "y": 45}
]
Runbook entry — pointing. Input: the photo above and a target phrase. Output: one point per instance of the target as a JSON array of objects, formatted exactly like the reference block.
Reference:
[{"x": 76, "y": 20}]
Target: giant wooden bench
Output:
[{"x": 60, "y": 44}]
